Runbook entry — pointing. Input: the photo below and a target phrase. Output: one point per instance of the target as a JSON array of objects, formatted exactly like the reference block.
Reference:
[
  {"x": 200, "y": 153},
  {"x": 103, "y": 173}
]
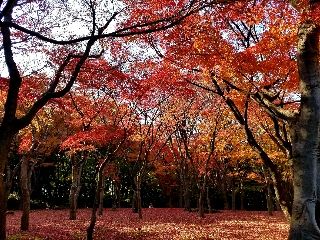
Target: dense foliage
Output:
[{"x": 193, "y": 103}]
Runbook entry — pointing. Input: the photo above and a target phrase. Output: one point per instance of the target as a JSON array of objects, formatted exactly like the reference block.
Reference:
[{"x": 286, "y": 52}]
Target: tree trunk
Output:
[
  {"x": 139, "y": 200},
  {"x": 3, "y": 208},
  {"x": 225, "y": 196},
  {"x": 268, "y": 192},
  {"x": 208, "y": 201},
  {"x": 114, "y": 195},
  {"x": 95, "y": 203},
  {"x": 233, "y": 202},
  {"x": 6, "y": 137},
  {"x": 103, "y": 184},
  {"x": 75, "y": 188},
  {"x": 201, "y": 200},
  {"x": 118, "y": 194},
  {"x": 305, "y": 137},
  {"x": 278, "y": 207},
  {"x": 185, "y": 186},
  {"x": 170, "y": 197},
  {"x": 242, "y": 195},
  {"x": 180, "y": 196},
  {"x": 25, "y": 193},
  {"x": 269, "y": 198},
  {"x": 134, "y": 201}
]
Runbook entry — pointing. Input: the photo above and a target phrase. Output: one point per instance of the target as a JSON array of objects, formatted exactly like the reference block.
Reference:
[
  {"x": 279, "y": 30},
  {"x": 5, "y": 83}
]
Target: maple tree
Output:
[
  {"x": 266, "y": 52},
  {"x": 104, "y": 128},
  {"x": 43, "y": 25},
  {"x": 259, "y": 57},
  {"x": 146, "y": 144},
  {"x": 36, "y": 142},
  {"x": 92, "y": 102}
]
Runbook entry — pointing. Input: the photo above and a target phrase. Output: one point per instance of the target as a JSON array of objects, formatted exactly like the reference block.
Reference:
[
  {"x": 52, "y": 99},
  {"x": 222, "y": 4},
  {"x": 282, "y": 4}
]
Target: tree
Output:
[
  {"x": 238, "y": 55},
  {"x": 146, "y": 142},
  {"x": 23, "y": 25},
  {"x": 34, "y": 147}
]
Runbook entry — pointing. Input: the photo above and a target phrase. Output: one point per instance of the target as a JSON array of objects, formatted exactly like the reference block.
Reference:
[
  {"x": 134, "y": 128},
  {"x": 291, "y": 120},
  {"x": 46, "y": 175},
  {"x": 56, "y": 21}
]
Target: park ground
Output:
[{"x": 157, "y": 223}]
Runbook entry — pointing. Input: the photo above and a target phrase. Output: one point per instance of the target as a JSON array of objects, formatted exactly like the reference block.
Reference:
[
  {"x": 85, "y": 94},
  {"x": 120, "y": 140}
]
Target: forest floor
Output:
[{"x": 157, "y": 223}]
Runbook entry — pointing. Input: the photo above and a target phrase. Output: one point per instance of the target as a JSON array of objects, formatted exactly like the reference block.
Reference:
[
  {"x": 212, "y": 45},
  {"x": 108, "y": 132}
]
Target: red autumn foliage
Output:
[{"x": 159, "y": 223}]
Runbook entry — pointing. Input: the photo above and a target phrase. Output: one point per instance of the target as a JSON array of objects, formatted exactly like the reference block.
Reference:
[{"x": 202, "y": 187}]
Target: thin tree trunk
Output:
[
  {"x": 75, "y": 187},
  {"x": 96, "y": 202},
  {"x": 268, "y": 192},
  {"x": 25, "y": 194},
  {"x": 118, "y": 194},
  {"x": 103, "y": 179},
  {"x": 185, "y": 184},
  {"x": 25, "y": 184},
  {"x": 233, "y": 202},
  {"x": 208, "y": 200},
  {"x": 139, "y": 200},
  {"x": 114, "y": 195},
  {"x": 170, "y": 197},
  {"x": 278, "y": 207},
  {"x": 269, "y": 199},
  {"x": 242, "y": 195}
]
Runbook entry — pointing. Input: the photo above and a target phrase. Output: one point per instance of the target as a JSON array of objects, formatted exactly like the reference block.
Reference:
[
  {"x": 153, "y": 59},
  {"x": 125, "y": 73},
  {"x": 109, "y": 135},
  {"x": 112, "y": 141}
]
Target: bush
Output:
[
  {"x": 13, "y": 201},
  {"x": 36, "y": 204}
]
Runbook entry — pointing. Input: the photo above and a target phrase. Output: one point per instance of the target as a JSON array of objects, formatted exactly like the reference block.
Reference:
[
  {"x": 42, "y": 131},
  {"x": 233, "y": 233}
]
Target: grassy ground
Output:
[{"x": 157, "y": 223}]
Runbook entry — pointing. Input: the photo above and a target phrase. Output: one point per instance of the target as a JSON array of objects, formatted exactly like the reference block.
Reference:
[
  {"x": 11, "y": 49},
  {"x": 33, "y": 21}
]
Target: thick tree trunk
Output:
[
  {"x": 305, "y": 137},
  {"x": 181, "y": 196},
  {"x": 201, "y": 201},
  {"x": 6, "y": 137},
  {"x": 225, "y": 195},
  {"x": 134, "y": 201},
  {"x": 4, "y": 193},
  {"x": 25, "y": 193}
]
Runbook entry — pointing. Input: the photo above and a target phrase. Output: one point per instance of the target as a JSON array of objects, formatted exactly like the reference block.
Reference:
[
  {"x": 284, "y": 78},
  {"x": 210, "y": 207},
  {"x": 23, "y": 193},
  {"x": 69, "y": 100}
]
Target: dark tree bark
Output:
[
  {"x": 201, "y": 202},
  {"x": 242, "y": 195},
  {"x": 180, "y": 196},
  {"x": 185, "y": 186},
  {"x": 233, "y": 198},
  {"x": 134, "y": 201},
  {"x": 208, "y": 200},
  {"x": 25, "y": 192},
  {"x": 103, "y": 184},
  {"x": 118, "y": 186},
  {"x": 10, "y": 124},
  {"x": 75, "y": 185}
]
